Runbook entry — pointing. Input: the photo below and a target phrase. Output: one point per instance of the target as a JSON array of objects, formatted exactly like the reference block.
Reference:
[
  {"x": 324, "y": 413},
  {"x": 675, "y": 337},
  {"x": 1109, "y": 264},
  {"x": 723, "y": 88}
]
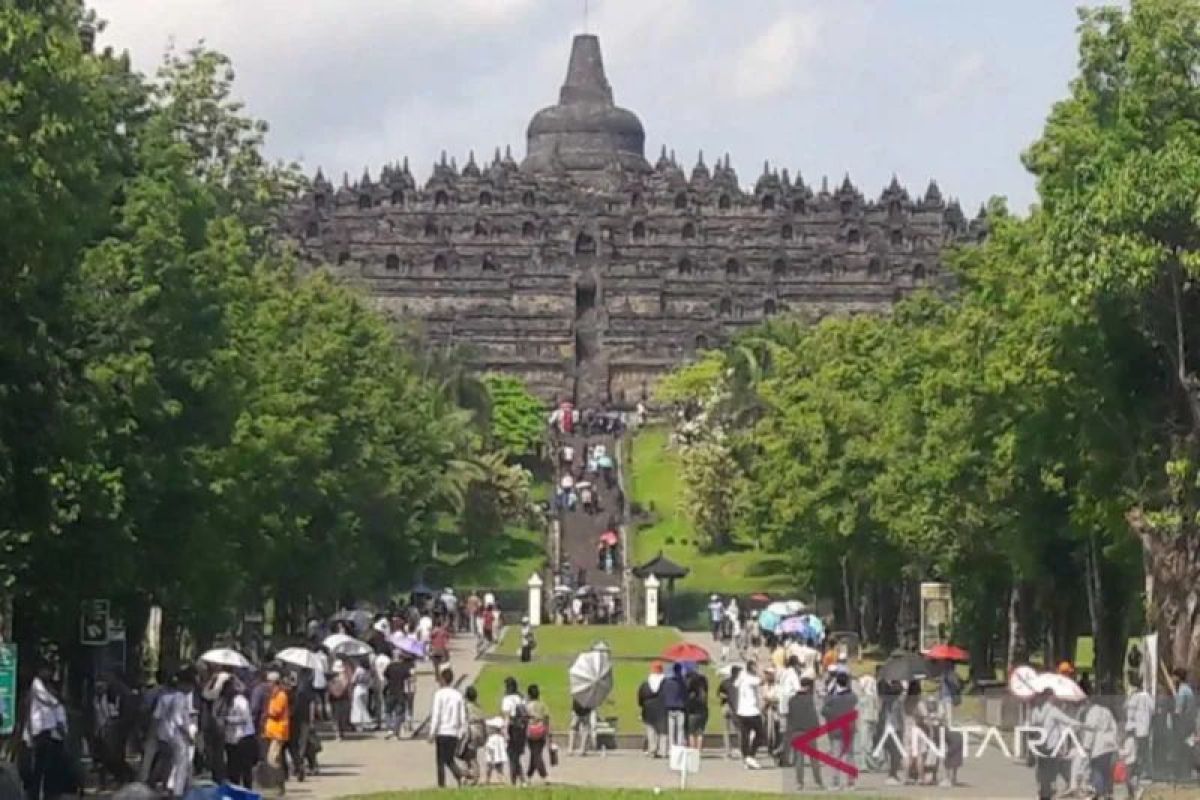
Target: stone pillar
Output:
[
  {"x": 535, "y": 599},
  {"x": 651, "y": 584}
]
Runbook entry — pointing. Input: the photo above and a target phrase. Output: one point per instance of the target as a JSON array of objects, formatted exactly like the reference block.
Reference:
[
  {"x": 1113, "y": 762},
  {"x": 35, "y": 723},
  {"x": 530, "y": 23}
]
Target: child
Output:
[{"x": 496, "y": 750}]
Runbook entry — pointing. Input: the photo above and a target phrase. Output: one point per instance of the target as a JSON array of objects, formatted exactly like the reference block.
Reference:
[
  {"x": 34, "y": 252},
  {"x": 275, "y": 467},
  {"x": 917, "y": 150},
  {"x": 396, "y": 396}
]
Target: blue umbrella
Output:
[
  {"x": 604, "y": 462},
  {"x": 768, "y": 621}
]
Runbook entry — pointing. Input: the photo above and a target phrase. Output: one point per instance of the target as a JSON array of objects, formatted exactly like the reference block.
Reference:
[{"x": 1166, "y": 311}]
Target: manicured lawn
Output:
[
  {"x": 551, "y": 678},
  {"x": 656, "y": 487},
  {"x": 557, "y": 647},
  {"x": 568, "y": 640},
  {"x": 565, "y": 793}
]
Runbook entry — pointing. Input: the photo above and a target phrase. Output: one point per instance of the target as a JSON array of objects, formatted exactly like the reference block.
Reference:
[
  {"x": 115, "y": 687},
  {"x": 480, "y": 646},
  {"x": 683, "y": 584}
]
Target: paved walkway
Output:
[{"x": 373, "y": 765}]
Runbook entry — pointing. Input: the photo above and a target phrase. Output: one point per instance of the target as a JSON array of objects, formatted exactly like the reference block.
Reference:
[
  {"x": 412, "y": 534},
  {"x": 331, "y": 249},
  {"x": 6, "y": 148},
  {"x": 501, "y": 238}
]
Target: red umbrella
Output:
[
  {"x": 760, "y": 598},
  {"x": 686, "y": 651},
  {"x": 946, "y": 652}
]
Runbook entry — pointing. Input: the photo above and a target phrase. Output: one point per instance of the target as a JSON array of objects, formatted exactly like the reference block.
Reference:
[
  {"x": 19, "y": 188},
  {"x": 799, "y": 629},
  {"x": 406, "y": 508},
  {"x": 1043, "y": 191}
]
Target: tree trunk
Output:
[
  {"x": 1172, "y": 564},
  {"x": 1018, "y": 642}
]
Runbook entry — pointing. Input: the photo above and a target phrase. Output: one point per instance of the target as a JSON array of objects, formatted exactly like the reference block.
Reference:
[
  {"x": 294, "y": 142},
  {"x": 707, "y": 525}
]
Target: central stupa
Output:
[{"x": 586, "y": 132}]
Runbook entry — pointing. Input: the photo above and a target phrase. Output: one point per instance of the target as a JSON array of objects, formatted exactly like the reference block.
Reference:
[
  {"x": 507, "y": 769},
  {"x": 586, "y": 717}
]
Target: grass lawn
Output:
[
  {"x": 557, "y": 647},
  {"x": 655, "y": 486},
  {"x": 565, "y": 793},
  {"x": 551, "y": 678},
  {"x": 566, "y": 641}
]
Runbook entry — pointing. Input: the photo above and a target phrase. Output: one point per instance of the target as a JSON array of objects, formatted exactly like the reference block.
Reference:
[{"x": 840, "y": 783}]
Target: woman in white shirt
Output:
[
  {"x": 43, "y": 735},
  {"x": 360, "y": 711},
  {"x": 241, "y": 746}
]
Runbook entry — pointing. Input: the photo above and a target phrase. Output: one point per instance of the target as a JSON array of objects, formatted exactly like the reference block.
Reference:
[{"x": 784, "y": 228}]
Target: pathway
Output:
[{"x": 580, "y": 530}]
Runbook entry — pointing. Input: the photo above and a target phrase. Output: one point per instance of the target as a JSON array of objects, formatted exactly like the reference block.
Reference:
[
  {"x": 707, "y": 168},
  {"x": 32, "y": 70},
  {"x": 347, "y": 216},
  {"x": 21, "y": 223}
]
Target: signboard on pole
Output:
[
  {"x": 937, "y": 611},
  {"x": 8, "y": 688},
  {"x": 94, "y": 622}
]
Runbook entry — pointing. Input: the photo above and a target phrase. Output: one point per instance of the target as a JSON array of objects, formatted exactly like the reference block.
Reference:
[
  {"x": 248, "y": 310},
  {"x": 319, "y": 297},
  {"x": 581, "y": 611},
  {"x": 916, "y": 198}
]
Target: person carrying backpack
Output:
[{"x": 516, "y": 724}]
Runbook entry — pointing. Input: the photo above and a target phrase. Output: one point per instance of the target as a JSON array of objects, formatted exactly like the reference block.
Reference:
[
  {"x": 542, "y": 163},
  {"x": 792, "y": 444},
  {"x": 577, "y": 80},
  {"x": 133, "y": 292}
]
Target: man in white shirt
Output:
[
  {"x": 749, "y": 713},
  {"x": 447, "y": 725},
  {"x": 424, "y": 628},
  {"x": 1139, "y": 709}
]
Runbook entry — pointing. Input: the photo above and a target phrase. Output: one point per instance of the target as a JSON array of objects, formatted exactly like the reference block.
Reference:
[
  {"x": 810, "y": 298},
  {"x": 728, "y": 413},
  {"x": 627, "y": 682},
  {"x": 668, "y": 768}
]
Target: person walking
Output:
[
  {"x": 44, "y": 734},
  {"x": 302, "y": 700},
  {"x": 839, "y": 703},
  {"x": 801, "y": 718},
  {"x": 476, "y": 737},
  {"x": 696, "y": 708},
  {"x": 537, "y": 733},
  {"x": 447, "y": 725},
  {"x": 716, "y": 613},
  {"x": 360, "y": 706},
  {"x": 339, "y": 688},
  {"x": 1183, "y": 725},
  {"x": 278, "y": 727},
  {"x": 439, "y": 643},
  {"x": 1100, "y": 741},
  {"x": 396, "y": 678},
  {"x": 749, "y": 714},
  {"x": 727, "y": 694},
  {"x": 516, "y": 721},
  {"x": 674, "y": 695},
  {"x": 654, "y": 715},
  {"x": 527, "y": 640},
  {"x": 583, "y": 728},
  {"x": 174, "y": 719},
  {"x": 1139, "y": 711},
  {"x": 1053, "y": 724},
  {"x": 232, "y": 711}
]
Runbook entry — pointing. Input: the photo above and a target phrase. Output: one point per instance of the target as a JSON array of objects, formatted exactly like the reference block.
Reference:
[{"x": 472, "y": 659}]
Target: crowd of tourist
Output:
[{"x": 233, "y": 723}]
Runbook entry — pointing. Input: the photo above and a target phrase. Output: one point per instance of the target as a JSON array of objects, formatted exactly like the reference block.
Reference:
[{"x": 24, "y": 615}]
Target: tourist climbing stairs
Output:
[{"x": 582, "y": 531}]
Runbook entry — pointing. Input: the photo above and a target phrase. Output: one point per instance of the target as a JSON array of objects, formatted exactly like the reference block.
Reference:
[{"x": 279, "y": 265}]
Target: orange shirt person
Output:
[{"x": 278, "y": 727}]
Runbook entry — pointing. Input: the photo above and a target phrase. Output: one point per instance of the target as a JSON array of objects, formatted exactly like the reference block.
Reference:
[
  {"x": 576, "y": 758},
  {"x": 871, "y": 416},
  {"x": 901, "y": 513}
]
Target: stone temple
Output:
[{"x": 590, "y": 272}]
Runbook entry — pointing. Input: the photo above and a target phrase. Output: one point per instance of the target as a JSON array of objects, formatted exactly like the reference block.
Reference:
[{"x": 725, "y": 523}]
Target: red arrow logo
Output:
[{"x": 803, "y": 743}]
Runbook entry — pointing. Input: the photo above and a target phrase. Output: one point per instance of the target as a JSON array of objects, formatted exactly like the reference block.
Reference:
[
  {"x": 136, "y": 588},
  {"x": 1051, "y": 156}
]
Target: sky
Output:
[{"x": 945, "y": 89}]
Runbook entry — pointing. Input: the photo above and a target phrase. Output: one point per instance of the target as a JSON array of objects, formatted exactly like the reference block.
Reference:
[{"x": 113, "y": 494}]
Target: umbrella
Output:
[
  {"x": 760, "y": 598},
  {"x": 591, "y": 678},
  {"x": 609, "y": 538},
  {"x": 409, "y": 646},
  {"x": 561, "y": 589},
  {"x": 1022, "y": 682},
  {"x": 604, "y": 462},
  {"x": 343, "y": 645},
  {"x": 946, "y": 652},
  {"x": 797, "y": 626},
  {"x": 686, "y": 651},
  {"x": 904, "y": 667},
  {"x": 583, "y": 485},
  {"x": 1063, "y": 687},
  {"x": 226, "y": 657},
  {"x": 583, "y": 590},
  {"x": 768, "y": 621},
  {"x": 786, "y": 608},
  {"x": 613, "y": 590},
  {"x": 299, "y": 657}
]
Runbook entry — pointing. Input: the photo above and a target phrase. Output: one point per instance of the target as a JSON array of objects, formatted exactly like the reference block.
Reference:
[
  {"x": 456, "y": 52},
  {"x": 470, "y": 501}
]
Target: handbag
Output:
[
  {"x": 1120, "y": 772},
  {"x": 536, "y": 730},
  {"x": 554, "y": 755}
]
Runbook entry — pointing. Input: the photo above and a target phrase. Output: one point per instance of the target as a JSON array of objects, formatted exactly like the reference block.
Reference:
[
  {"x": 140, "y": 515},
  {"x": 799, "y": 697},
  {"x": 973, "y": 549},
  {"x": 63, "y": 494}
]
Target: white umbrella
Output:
[
  {"x": 299, "y": 657},
  {"x": 226, "y": 657},
  {"x": 345, "y": 645},
  {"x": 591, "y": 678},
  {"x": 786, "y": 608},
  {"x": 1063, "y": 687},
  {"x": 1022, "y": 682}
]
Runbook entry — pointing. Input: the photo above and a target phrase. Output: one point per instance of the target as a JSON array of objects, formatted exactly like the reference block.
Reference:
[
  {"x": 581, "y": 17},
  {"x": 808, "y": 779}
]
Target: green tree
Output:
[
  {"x": 518, "y": 419},
  {"x": 1117, "y": 167}
]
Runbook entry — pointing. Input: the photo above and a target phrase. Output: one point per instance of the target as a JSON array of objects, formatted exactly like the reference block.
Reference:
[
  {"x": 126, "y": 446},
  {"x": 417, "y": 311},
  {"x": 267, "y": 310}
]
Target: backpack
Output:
[{"x": 520, "y": 717}]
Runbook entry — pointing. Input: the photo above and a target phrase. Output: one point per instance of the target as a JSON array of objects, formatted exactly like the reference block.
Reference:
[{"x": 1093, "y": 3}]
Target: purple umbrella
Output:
[
  {"x": 797, "y": 626},
  {"x": 409, "y": 646}
]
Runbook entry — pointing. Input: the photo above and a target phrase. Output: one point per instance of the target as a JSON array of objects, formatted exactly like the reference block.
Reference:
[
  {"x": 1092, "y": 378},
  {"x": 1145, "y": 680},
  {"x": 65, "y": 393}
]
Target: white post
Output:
[
  {"x": 651, "y": 584},
  {"x": 535, "y": 599}
]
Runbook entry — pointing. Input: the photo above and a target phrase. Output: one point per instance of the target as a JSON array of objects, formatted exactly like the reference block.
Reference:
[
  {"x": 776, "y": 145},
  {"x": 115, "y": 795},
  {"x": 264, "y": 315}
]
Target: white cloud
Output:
[{"x": 772, "y": 63}]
